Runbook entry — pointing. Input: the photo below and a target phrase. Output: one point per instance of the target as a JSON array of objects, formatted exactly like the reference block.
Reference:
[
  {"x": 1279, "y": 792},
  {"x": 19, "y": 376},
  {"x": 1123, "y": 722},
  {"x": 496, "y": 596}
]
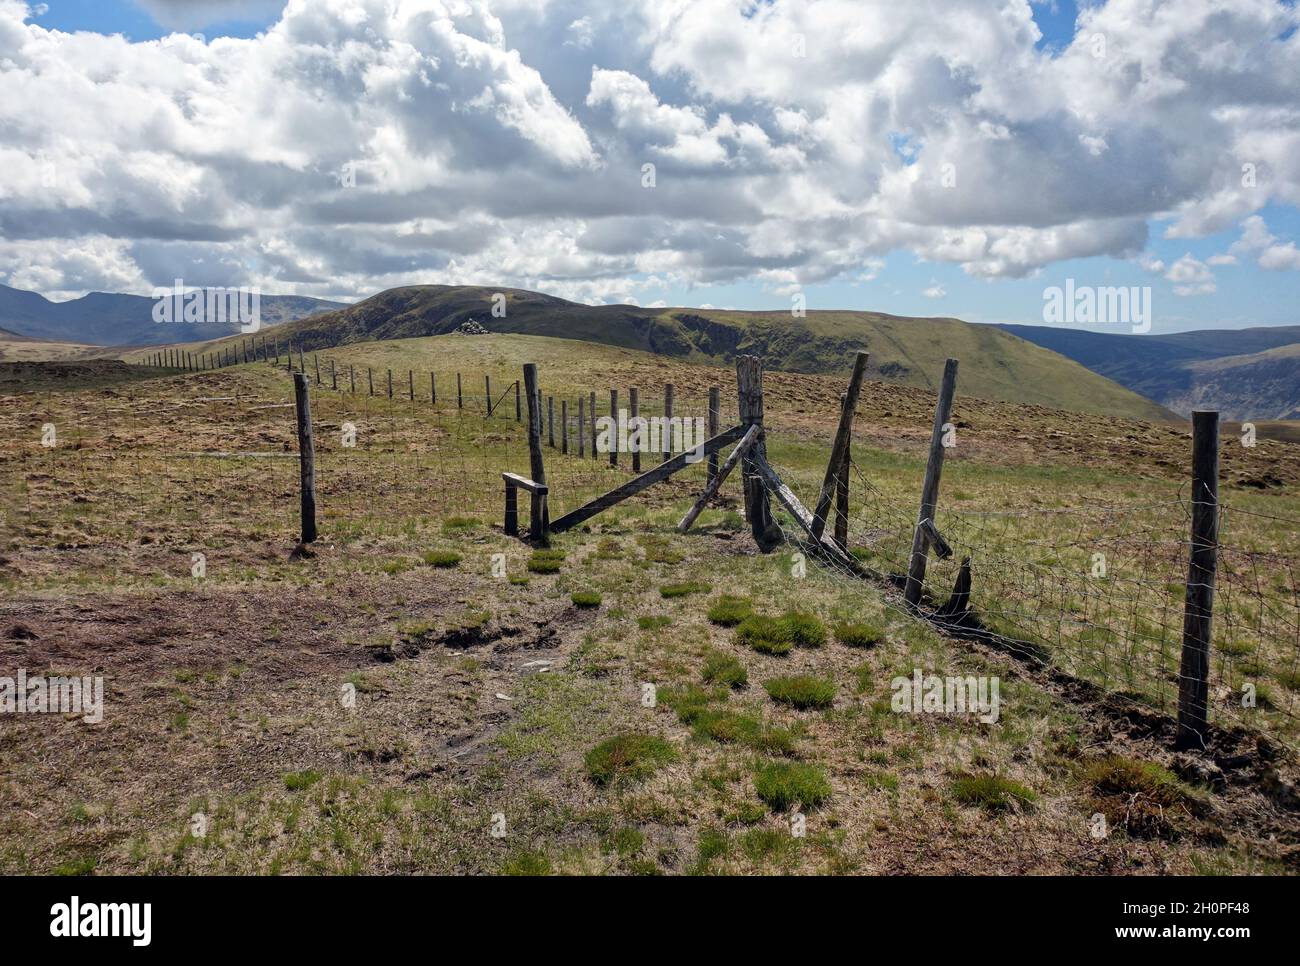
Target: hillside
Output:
[
  {"x": 908, "y": 351},
  {"x": 102, "y": 318},
  {"x": 1244, "y": 373}
]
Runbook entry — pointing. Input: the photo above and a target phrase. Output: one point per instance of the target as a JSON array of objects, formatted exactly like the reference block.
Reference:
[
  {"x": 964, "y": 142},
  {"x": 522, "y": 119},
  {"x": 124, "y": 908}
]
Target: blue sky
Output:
[{"x": 905, "y": 281}]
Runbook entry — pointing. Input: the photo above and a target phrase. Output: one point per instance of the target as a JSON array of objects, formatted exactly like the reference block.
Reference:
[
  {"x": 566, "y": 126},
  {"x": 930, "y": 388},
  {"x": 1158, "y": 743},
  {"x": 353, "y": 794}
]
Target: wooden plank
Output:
[
  {"x": 785, "y": 496},
  {"x": 524, "y": 483},
  {"x": 1198, "y": 613},
  {"x": 930, "y": 487},
  {"x": 646, "y": 479},
  {"x": 718, "y": 478},
  {"x": 840, "y": 448}
]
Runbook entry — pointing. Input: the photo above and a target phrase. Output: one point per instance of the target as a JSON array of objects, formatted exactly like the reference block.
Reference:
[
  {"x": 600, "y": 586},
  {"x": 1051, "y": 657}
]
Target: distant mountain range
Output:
[
  {"x": 911, "y": 351},
  {"x": 102, "y": 318},
  {"x": 1246, "y": 374}
]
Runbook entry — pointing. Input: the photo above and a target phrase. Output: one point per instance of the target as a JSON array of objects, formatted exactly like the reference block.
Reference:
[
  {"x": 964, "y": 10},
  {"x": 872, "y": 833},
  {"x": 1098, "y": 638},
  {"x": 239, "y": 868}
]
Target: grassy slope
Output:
[
  {"x": 908, "y": 351},
  {"x": 1261, "y": 385}
]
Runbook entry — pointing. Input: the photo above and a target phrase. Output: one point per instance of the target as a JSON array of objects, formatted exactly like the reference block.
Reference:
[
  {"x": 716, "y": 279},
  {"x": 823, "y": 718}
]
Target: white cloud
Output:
[
  {"x": 1191, "y": 276},
  {"x": 503, "y": 141},
  {"x": 935, "y": 291}
]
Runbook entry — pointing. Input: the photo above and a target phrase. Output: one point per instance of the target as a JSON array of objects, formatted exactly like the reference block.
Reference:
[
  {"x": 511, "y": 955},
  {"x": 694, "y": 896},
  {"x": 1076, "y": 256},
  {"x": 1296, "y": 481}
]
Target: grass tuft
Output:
[
  {"x": 728, "y": 611},
  {"x": 991, "y": 792},
  {"x": 628, "y": 757},
  {"x": 859, "y": 635},
  {"x": 546, "y": 561},
  {"x": 766, "y": 635},
  {"x": 784, "y": 783},
  {"x": 442, "y": 558},
  {"x": 1141, "y": 797},
  {"x": 805, "y": 629},
  {"x": 801, "y": 691},
  {"x": 585, "y": 598},
  {"x": 722, "y": 668},
  {"x": 684, "y": 588}
]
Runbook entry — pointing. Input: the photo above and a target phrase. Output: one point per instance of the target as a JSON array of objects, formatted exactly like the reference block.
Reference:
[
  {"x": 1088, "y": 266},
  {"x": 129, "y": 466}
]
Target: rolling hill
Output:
[
  {"x": 910, "y": 351},
  {"x": 1247, "y": 374},
  {"x": 103, "y": 318}
]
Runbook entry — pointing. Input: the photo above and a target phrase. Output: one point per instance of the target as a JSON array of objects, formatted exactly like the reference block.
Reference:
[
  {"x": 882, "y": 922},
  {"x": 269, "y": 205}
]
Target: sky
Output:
[{"x": 936, "y": 158}]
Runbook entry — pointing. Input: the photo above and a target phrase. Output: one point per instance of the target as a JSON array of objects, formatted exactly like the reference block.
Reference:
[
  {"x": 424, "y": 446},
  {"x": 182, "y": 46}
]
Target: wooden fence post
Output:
[
  {"x": 564, "y": 426},
  {"x": 370, "y": 378},
  {"x": 277, "y": 352},
  {"x": 302, "y": 362},
  {"x": 410, "y": 384},
  {"x": 842, "y": 496},
  {"x": 592, "y": 405},
  {"x": 636, "y": 439},
  {"x": 840, "y": 448},
  {"x": 487, "y": 390},
  {"x": 613, "y": 433},
  {"x": 352, "y": 378},
  {"x": 550, "y": 421},
  {"x": 306, "y": 457},
  {"x": 518, "y": 405},
  {"x": 460, "y": 399},
  {"x": 539, "y": 524},
  {"x": 315, "y": 360},
  {"x": 582, "y": 427},
  {"x": 668, "y": 422},
  {"x": 1198, "y": 613},
  {"x": 715, "y": 406},
  {"x": 433, "y": 391},
  {"x": 930, "y": 488},
  {"x": 334, "y": 376},
  {"x": 390, "y": 383},
  {"x": 758, "y": 509}
]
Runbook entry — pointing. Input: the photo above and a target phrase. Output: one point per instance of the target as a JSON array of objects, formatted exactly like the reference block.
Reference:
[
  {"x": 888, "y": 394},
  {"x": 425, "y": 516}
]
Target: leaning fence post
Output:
[
  {"x": 1198, "y": 613},
  {"x": 840, "y": 448},
  {"x": 715, "y": 400},
  {"x": 537, "y": 467},
  {"x": 930, "y": 488},
  {"x": 306, "y": 457},
  {"x": 842, "y": 495}
]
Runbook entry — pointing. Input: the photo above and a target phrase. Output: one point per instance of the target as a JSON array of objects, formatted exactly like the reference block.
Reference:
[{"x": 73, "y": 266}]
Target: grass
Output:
[
  {"x": 546, "y": 561},
  {"x": 767, "y": 635},
  {"x": 782, "y": 784},
  {"x": 668, "y": 591},
  {"x": 652, "y": 622},
  {"x": 805, "y": 629},
  {"x": 628, "y": 757},
  {"x": 728, "y": 610},
  {"x": 992, "y": 793},
  {"x": 1141, "y": 797},
  {"x": 297, "y": 781},
  {"x": 721, "y": 668},
  {"x": 802, "y": 691},
  {"x": 527, "y": 862},
  {"x": 585, "y": 599},
  {"x": 442, "y": 558},
  {"x": 749, "y": 730},
  {"x": 859, "y": 635}
]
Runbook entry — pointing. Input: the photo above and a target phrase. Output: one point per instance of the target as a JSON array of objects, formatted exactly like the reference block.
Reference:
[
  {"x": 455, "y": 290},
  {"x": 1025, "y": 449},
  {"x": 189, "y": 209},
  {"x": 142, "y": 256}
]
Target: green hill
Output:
[{"x": 909, "y": 351}]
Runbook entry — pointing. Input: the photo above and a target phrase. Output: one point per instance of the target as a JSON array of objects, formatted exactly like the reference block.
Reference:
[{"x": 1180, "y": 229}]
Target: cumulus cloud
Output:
[{"x": 357, "y": 144}]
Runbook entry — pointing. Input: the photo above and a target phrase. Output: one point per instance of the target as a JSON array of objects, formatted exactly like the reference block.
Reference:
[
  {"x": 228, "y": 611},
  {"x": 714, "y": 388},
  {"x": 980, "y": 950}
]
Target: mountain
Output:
[
  {"x": 102, "y": 318},
  {"x": 1247, "y": 374},
  {"x": 911, "y": 351}
]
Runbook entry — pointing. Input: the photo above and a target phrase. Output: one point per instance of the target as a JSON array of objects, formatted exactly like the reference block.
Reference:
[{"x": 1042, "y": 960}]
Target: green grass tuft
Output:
[
  {"x": 684, "y": 588},
  {"x": 765, "y": 634},
  {"x": 585, "y": 598},
  {"x": 859, "y": 635},
  {"x": 784, "y": 783},
  {"x": 442, "y": 558},
  {"x": 628, "y": 756},
  {"x": 805, "y": 629},
  {"x": 728, "y": 611},
  {"x": 1141, "y": 797},
  {"x": 802, "y": 691},
  {"x": 296, "y": 781},
  {"x": 527, "y": 862},
  {"x": 722, "y": 668},
  {"x": 546, "y": 561},
  {"x": 991, "y": 792}
]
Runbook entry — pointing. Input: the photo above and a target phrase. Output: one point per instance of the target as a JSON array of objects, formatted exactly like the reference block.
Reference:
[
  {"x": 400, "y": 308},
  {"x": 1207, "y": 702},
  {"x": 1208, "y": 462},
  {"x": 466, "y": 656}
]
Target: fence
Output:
[{"x": 1098, "y": 590}]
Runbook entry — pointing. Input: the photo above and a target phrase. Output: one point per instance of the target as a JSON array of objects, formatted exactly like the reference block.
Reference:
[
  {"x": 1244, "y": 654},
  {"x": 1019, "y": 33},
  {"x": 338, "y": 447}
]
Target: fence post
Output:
[
  {"x": 930, "y": 488},
  {"x": 842, "y": 494},
  {"x": 550, "y": 421},
  {"x": 277, "y": 352},
  {"x": 668, "y": 422},
  {"x": 334, "y": 376},
  {"x": 352, "y": 378},
  {"x": 758, "y": 509},
  {"x": 715, "y": 405},
  {"x": 582, "y": 427},
  {"x": 592, "y": 406},
  {"x": 564, "y": 426},
  {"x": 1194, "y": 673},
  {"x": 460, "y": 399},
  {"x": 306, "y": 457},
  {"x": 370, "y": 378},
  {"x": 840, "y": 448},
  {"x": 302, "y": 362},
  {"x": 537, "y": 467},
  {"x": 613, "y": 435},
  {"x": 518, "y": 404},
  {"x": 635, "y": 438},
  {"x": 410, "y": 384},
  {"x": 487, "y": 390},
  {"x": 390, "y": 383},
  {"x": 433, "y": 391},
  {"x": 315, "y": 359}
]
